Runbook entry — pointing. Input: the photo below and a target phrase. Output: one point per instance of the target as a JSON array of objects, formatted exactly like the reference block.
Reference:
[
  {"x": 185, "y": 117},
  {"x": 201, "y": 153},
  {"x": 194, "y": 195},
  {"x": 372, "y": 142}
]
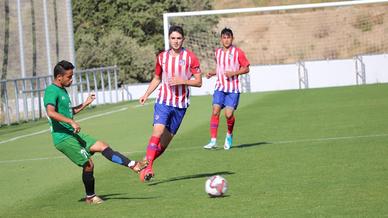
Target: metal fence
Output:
[{"x": 22, "y": 99}]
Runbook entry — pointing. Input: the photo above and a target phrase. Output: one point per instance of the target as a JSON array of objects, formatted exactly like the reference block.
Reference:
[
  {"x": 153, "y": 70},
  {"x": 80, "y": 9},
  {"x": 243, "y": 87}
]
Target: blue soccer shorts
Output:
[
  {"x": 226, "y": 99},
  {"x": 169, "y": 116}
]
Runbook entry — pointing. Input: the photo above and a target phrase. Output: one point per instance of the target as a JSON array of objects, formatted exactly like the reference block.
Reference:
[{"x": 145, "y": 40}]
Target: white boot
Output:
[
  {"x": 212, "y": 144},
  {"x": 228, "y": 141}
]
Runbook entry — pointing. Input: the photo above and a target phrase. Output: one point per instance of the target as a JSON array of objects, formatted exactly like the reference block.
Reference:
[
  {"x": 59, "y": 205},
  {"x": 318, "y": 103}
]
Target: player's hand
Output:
[
  {"x": 173, "y": 81},
  {"x": 209, "y": 75},
  {"x": 229, "y": 74},
  {"x": 143, "y": 99},
  {"x": 76, "y": 126},
  {"x": 90, "y": 98}
]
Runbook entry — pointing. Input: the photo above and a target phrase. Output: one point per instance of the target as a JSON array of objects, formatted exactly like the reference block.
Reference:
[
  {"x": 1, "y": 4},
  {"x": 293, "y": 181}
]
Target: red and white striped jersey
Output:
[
  {"x": 183, "y": 66},
  {"x": 231, "y": 60}
]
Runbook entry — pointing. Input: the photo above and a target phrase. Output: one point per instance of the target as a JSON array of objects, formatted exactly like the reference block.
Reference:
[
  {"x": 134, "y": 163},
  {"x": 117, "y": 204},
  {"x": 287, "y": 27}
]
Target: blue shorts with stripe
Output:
[
  {"x": 226, "y": 99},
  {"x": 169, "y": 116}
]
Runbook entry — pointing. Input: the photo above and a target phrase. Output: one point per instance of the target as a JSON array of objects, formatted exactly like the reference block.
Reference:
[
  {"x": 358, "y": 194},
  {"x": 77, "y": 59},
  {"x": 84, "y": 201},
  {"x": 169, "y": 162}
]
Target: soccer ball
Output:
[{"x": 216, "y": 186}]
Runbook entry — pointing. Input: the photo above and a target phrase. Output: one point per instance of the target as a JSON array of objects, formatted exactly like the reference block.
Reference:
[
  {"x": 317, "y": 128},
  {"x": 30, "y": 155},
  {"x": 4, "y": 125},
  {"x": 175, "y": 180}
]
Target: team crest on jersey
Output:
[
  {"x": 182, "y": 62},
  {"x": 63, "y": 97},
  {"x": 156, "y": 117},
  {"x": 230, "y": 56}
]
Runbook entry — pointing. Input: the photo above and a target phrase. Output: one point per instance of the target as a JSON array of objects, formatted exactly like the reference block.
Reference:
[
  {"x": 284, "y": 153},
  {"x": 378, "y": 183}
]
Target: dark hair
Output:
[
  {"x": 178, "y": 29},
  {"x": 227, "y": 31},
  {"x": 61, "y": 68}
]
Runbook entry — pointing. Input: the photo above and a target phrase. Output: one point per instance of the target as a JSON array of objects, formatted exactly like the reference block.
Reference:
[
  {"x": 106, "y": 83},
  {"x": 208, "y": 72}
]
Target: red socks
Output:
[
  {"x": 214, "y": 120},
  {"x": 152, "y": 149},
  {"x": 230, "y": 123},
  {"x": 160, "y": 151}
]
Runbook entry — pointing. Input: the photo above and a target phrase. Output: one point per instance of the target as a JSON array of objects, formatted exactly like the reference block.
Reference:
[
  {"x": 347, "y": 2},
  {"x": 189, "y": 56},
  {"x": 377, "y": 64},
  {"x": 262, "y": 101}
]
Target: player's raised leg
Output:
[{"x": 117, "y": 157}]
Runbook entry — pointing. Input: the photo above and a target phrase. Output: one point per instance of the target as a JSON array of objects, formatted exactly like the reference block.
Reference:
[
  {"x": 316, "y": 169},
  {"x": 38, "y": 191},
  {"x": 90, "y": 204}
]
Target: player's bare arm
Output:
[
  {"x": 196, "y": 82},
  {"x": 151, "y": 88},
  {"x": 59, "y": 117},
  {"x": 87, "y": 102},
  {"x": 242, "y": 70}
]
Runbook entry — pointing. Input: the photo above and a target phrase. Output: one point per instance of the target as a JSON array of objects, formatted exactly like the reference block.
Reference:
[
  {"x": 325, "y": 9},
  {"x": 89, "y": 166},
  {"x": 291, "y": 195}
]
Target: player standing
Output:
[
  {"x": 68, "y": 139},
  {"x": 173, "y": 70},
  {"x": 231, "y": 62}
]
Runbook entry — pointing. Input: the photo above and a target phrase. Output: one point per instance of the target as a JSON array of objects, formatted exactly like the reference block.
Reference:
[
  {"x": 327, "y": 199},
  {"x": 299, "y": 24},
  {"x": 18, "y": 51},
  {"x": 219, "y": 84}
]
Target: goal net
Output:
[{"x": 289, "y": 34}]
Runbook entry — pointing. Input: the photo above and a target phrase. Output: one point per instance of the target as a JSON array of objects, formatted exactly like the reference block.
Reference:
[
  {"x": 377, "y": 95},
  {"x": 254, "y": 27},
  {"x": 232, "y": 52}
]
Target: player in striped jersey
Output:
[
  {"x": 231, "y": 62},
  {"x": 173, "y": 71}
]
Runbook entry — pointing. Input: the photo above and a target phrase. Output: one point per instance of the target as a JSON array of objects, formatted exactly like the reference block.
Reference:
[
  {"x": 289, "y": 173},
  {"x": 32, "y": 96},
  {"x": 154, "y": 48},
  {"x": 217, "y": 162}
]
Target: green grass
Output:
[{"x": 301, "y": 153}]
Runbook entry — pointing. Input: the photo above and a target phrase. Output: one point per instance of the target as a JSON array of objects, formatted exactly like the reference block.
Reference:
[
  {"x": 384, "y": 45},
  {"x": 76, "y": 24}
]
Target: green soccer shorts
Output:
[{"x": 77, "y": 148}]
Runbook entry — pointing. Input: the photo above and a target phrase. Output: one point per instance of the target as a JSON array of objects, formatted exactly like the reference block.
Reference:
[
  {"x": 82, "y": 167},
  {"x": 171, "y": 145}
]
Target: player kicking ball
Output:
[
  {"x": 67, "y": 138},
  {"x": 173, "y": 70},
  {"x": 231, "y": 62}
]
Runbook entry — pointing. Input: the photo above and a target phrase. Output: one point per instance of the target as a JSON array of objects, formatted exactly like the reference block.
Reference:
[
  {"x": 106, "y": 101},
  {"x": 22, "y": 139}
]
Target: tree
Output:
[
  {"x": 135, "y": 62},
  {"x": 139, "y": 23}
]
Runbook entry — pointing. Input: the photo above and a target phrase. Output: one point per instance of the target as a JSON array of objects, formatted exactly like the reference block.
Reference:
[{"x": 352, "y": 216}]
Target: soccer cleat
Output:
[
  {"x": 228, "y": 142},
  {"x": 211, "y": 145},
  {"x": 146, "y": 175},
  {"x": 94, "y": 200},
  {"x": 139, "y": 166}
]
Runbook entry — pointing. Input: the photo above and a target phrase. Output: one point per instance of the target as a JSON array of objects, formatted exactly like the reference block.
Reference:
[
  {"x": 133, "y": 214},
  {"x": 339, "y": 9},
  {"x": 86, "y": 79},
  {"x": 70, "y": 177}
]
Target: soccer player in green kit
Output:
[{"x": 67, "y": 138}]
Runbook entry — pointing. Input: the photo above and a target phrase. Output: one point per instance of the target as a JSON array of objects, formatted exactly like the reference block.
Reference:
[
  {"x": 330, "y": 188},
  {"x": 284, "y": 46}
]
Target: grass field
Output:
[{"x": 302, "y": 153}]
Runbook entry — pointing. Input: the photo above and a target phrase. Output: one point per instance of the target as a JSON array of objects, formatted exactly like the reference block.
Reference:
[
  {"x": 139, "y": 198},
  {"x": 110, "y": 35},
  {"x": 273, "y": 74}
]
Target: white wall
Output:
[
  {"x": 320, "y": 74},
  {"x": 331, "y": 73},
  {"x": 274, "y": 77},
  {"x": 376, "y": 68}
]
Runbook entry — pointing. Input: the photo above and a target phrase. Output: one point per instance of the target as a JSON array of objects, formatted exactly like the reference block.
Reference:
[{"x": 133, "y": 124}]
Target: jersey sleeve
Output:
[
  {"x": 158, "y": 67},
  {"x": 194, "y": 67},
  {"x": 50, "y": 97},
  {"x": 242, "y": 59}
]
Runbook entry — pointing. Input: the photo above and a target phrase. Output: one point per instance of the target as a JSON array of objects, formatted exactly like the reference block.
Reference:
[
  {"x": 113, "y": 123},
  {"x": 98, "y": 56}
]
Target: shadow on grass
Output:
[
  {"x": 201, "y": 175},
  {"x": 218, "y": 197},
  {"x": 116, "y": 196},
  {"x": 251, "y": 144}
]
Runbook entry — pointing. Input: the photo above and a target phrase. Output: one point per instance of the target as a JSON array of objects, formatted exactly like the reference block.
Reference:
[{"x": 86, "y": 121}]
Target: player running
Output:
[
  {"x": 174, "y": 68},
  {"x": 77, "y": 146},
  {"x": 231, "y": 62}
]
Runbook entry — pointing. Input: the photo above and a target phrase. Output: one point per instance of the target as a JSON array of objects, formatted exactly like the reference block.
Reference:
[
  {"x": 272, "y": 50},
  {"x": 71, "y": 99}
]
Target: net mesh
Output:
[{"x": 289, "y": 36}]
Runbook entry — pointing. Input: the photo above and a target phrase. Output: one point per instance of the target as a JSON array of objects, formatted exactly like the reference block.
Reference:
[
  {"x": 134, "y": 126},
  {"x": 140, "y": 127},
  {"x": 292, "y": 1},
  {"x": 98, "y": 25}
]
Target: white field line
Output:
[
  {"x": 330, "y": 138},
  {"x": 199, "y": 147},
  {"x": 80, "y": 120},
  {"x": 24, "y": 136}
]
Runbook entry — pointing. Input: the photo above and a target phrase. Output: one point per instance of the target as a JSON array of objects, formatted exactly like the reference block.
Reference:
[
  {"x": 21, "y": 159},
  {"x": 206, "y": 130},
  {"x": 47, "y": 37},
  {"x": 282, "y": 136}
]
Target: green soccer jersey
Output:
[{"x": 59, "y": 98}]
